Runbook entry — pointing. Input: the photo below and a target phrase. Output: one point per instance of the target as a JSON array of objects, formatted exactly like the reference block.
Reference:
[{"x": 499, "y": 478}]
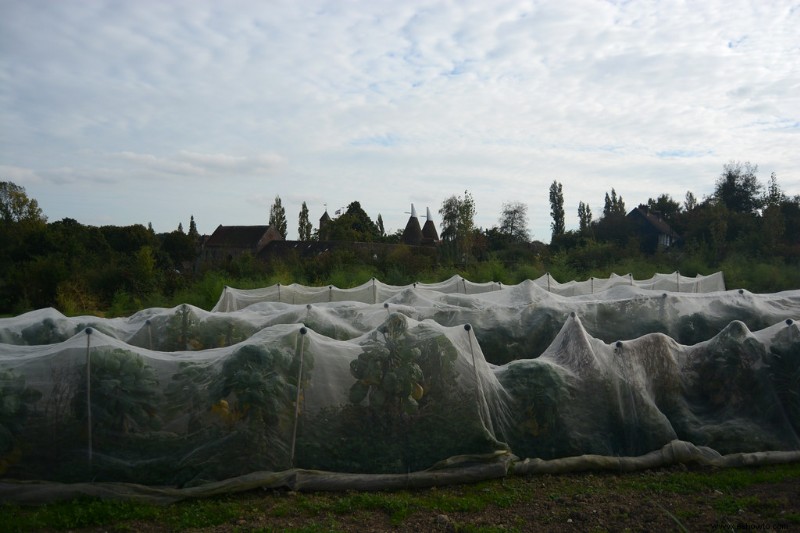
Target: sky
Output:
[{"x": 142, "y": 111}]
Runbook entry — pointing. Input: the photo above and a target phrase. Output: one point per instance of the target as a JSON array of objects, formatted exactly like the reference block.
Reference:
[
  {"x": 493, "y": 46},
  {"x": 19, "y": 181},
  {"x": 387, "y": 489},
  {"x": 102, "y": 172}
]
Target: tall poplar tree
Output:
[
  {"x": 584, "y": 217},
  {"x": 557, "y": 209},
  {"x": 303, "y": 224},
  {"x": 277, "y": 216}
]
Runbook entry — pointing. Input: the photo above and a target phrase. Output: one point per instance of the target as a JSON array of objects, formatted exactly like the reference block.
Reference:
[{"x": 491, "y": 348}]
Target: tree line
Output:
[{"x": 749, "y": 230}]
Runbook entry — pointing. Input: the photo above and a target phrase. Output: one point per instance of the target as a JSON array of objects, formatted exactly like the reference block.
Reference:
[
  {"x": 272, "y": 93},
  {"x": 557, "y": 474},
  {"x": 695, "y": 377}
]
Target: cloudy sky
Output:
[{"x": 124, "y": 112}]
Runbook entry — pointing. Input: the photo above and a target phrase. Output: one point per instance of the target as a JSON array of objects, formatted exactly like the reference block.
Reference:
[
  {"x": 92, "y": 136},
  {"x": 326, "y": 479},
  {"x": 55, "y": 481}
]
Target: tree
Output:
[
  {"x": 666, "y": 206},
  {"x": 353, "y": 226},
  {"x": 689, "y": 202},
  {"x": 773, "y": 223},
  {"x": 458, "y": 222},
  {"x": 584, "y": 218},
  {"x": 180, "y": 227},
  {"x": 381, "y": 229},
  {"x": 15, "y": 206},
  {"x": 303, "y": 224},
  {"x": 613, "y": 205},
  {"x": 514, "y": 222},
  {"x": 557, "y": 209},
  {"x": 774, "y": 195},
  {"x": 738, "y": 189},
  {"x": 193, "y": 234},
  {"x": 277, "y": 216}
]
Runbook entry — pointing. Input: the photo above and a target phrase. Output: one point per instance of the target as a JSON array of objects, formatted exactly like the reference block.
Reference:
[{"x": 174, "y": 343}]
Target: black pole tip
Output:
[
  {"x": 308, "y": 306},
  {"x": 664, "y": 295},
  {"x": 467, "y": 327},
  {"x": 386, "y": 306},
  {"x": 572, "y": 314},
  {"x": 303, "y": 331},
  {"x": 741, "y": 291},
  {"x": 619, "y": 344},
  {"x": 88, "y": 331},
  {"x": 147, "y": 322},
  {"x": 789, "y": 321}
]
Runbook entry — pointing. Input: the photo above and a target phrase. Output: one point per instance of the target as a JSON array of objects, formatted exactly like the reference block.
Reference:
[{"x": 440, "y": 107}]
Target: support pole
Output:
[
  {"x": 149, "y": 333},
  {"x": 303, "y": 332},
  {"x": 89, "y": 395}
]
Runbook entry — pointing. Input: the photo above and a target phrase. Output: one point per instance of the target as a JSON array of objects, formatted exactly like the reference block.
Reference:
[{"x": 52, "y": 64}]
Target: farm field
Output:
[
  {"x": 384, "y": 387},
  {"x": 674, "y": 499}
]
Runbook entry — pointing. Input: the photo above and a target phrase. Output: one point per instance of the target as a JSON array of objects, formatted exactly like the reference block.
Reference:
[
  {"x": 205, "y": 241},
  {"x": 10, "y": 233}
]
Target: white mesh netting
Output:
[
  {"x": 428, "y": 385},
  {"x": 374, "y": 291}
]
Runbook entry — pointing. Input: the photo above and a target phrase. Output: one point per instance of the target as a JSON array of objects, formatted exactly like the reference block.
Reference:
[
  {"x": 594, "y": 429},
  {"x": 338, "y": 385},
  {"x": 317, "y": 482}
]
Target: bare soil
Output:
[{"x": 646, "y": 501}]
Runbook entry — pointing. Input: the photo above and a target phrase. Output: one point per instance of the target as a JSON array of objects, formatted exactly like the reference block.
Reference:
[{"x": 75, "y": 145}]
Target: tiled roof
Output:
[{"x": 236, "y": 236}]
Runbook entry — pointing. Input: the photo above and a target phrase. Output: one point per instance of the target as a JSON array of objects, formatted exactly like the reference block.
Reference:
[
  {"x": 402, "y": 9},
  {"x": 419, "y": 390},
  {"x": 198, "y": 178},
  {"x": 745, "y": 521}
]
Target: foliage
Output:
[
  {"x": 738, "y": 189},
  {"x": 116, "y": 270},
  {"x": 406, "y": 409},
  {"x": 514, "y": 222},
  {"x": 124, "y": 393},
  {"x": 665, "y": 206},
  {"x": 253, "y": 396},
  {"x": 16, "y": 398},
  {"x": 303, "y": 224},
  {"x": 613, "y": 205},
  {"x": 557, "y": 209},
  {"x": 354, "y": 226},
  {"x": 387, "y": 371},
  {"x": 16, "y": 207},
  {"x": 584, "y": 218},
  {"x": 277, "y": 216},
  {"x": 458, "y": 223}
]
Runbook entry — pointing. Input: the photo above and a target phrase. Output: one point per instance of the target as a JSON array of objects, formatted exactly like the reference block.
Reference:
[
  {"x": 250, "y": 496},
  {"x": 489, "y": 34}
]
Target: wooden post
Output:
[{"x": 89, "y": 395}]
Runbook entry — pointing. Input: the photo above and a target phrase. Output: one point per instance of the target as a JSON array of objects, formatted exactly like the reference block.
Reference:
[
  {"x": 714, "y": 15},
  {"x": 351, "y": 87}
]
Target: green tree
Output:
[
  {"x": 303, "y": 224},
  {"x": 738, "y": 188},
  {"x": 277, "y": 216},
  {"x": 689, "y": 202},
  {"x": 666, "y": 206},
  {"x": 193, "y": 233},
  {"x": 179, "y": 247},
  {"x": 381, "y": 229},
  {"x": 557, "y": 209},
  {"x": 353, "y": 226},
  {"x": 613, "y": 205},
  {"x": 773, "y": 223},
  {"x": 584, "y": 218},
  {"x": 15, "y": 206},
  {"x": 614, "y": 225},
  {"x": 458, "y": 223},
  {"x": 514, "y": 222},
  {"x": 124, "y": 393},
  {"x": 774, "y": 195}
]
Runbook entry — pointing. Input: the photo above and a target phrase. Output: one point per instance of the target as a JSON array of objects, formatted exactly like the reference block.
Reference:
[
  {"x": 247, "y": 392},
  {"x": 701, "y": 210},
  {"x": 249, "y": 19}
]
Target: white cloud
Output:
[{"x": 391, "y": 103}]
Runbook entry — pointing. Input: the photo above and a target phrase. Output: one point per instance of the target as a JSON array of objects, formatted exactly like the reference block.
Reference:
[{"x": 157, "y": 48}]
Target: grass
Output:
[{"x": 324, "y": 511}]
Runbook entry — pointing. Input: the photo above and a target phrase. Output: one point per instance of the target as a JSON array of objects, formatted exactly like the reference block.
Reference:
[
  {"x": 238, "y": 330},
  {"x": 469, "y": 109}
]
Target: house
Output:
[
  {"x": 230, "y": 242},
  {"x": 265, "y": 243},
  {"x": 653, "y": 231}
]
